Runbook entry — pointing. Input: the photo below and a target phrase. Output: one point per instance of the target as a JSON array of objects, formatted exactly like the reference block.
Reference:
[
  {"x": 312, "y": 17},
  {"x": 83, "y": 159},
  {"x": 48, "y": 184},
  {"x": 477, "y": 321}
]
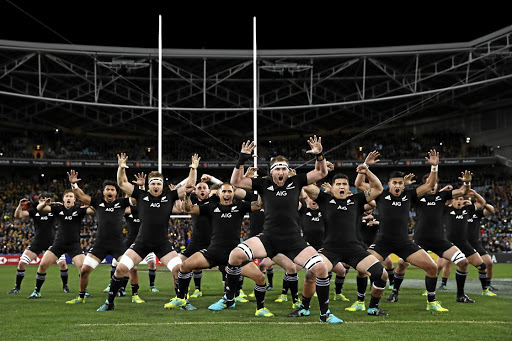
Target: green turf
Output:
[{"x": 49, "y": 318}]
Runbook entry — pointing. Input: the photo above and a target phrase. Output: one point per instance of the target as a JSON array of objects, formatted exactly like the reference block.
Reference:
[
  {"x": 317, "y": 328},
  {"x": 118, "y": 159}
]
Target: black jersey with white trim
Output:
[
  {"x": 474, "y": 234},
  {"x": 110, "y": 218},
  {"x": 201, "y": 226},
  {"x": 132, "y": 223},
  {"x": 154, "y": 214},
  {"x": 226, "y": 221},
  {"x": 280, "y": 204},
  {"x": 70, "y": 223},
  {"x": 429, "y": 211},
  {"x": 341, "y": 218},
  {"x": 44, "y": 225},
  {"x": 312, "y": 224},
  {"x": 456, "y": 222},
  {"x": 394, "y": 214}
]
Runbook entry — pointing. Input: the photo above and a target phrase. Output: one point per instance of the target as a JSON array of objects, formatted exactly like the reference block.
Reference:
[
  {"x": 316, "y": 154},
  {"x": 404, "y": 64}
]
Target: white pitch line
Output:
[{"x": 142, "y": 324}]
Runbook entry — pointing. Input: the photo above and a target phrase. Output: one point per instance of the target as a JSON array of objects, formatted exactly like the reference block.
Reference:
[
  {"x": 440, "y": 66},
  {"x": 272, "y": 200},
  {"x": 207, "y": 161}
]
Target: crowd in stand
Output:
[
  {"x": 16, "y": 234},
  {"x": 394, "y": 145}
]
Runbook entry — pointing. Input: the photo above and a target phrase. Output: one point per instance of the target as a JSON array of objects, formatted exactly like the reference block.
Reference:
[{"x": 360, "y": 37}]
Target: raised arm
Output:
[
  {"x": 192, "y": 177},
  {"x": 20, "y": 212},
  {"x": 237, "y": 178},
  {"x": 466, "y": 185},
  {"x": 480, "y": 201},
  {"x": 189, "y": 207},
  {"x": 320, "y": 170},
  {"x": 371, "y": 159},
  {"x": 122, "y": 180},
  {"x": 44, "y": 205},
  {"x": 375, "y": 186},
  {"x": 312, "y": 191},
  {"x": 433, "y": 160},
  {"x": 79, "y": 194}
]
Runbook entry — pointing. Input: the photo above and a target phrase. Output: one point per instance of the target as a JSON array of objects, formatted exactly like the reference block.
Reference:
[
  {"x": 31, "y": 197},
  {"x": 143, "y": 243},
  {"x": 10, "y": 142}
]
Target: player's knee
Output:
[
  {"x": 463, "y": 265},
  {"x": 240, "y": 254},
  {"x": 184, "y": 267},
  {"x": 90, "y": 263},
  {"x": 309, "y": 277},
  {"x": 482, "y": 267},
  {"x": 378, "y": 276}
]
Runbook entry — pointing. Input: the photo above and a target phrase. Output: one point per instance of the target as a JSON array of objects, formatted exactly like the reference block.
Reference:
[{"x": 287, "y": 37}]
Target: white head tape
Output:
[
  {"x": 279, "y": 164},
  {"x": 156, "y": 179}
]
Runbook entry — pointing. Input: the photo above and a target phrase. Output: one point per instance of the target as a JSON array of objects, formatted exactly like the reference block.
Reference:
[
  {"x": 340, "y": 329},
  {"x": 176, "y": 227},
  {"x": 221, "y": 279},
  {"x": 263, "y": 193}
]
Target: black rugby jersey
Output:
[
  {"x": 44, "y": 225},
  {"x": 341, "y": 218},
  {"x": 280, "y": 204},
  {"x": 394, "y": 214},
  {"x": 132, "y": 223},
  {"x": 368, "y": 233},
  {"x": 70, "y": 223},
  {"x": 201, "y": 227},
  {"x": 311, "y": 223},
  {"x": 429, "y": 210},
  {"x": 110, "y": 218},
  {"x": 456, "y": 222},
  {"x": 226, "y": 221},
  {"x": 256, "y": 218},
  {"x": 154, "y": 214},
  {"x": 474, "y": 234}
]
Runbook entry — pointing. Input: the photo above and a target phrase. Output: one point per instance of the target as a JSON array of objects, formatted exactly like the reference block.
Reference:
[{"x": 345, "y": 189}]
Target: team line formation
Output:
[{"x": 339, "y": 232}]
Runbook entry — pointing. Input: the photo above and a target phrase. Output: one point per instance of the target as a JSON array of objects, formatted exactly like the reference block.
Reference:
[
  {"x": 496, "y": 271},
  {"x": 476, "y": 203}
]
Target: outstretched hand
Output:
[
  {"x": 372, "y": 158},
  {"x": 433, "y": 157},
  {"x": 408, "y": 179},
  {"x": 248, "y": 147},
  {"x": 140, "y": 179},
  {"x": 330, "y": 166},
  {"x": 73, "y": 177},
  {"x": 251, "y": 172},
  {"x": 466, "y": 176},
  {"x": 121, "y": 160},
  {"x": 195, "y": 161},
  {"x": 315, "y": 143}
]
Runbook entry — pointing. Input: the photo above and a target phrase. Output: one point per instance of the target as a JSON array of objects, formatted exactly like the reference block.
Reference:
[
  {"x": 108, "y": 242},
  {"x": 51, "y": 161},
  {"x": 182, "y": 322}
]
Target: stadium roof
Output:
[{"x": 103, "y": 89}]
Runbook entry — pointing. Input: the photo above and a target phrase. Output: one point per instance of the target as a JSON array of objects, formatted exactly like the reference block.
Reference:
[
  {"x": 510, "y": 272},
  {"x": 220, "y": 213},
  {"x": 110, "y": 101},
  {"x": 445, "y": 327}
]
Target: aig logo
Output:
[
  {"x": 155, "y": 204},
  {"x": 226, "y": 215}
]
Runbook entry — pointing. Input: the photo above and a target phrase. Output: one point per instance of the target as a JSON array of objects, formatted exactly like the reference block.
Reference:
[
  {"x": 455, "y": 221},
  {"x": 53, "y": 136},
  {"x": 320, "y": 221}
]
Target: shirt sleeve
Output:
[
  {"x": 257, "y": 184},
  {"x": 94, "y": 202}
]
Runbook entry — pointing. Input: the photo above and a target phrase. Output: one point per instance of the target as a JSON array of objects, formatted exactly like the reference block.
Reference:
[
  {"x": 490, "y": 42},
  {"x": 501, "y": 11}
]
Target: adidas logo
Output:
[
  {"x": 332, "y": 201},
  {"x": 452, "y": 212},
  {"x": 130, "y": 216},
  {"x": 309, "y": 214},
  {"x": 37, "y": 214},
  {"x": 423, "y": 200},
  {"x": 216, "y": 210},
  {"x": 101, "y": 205},
  {"x": 61, "y": 213},
  {"x": 388, "y": 197},
  {"x": 271, "y": 188},
  {"x": 146, "y": 198}
]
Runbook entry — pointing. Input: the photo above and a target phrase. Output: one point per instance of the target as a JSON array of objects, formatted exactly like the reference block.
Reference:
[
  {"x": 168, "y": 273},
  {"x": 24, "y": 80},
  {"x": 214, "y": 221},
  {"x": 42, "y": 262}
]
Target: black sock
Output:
[
  {"x": 398, "y": 282},
  {"x": 362, "y": 284},
  {"x": 135, "y": 289},
  {"x": 124, "y": 282},
  {"x": 270, "y": 277},
  {"x": 81, "y": 294},
  {"x": 430, "y": 284},
  {"x": 374, "y": 302},
  {"x": 112, "y": 271},
  {"x": 232, "y": 273},
  {"x": 183, "y": 283},
  {"x": 483, "y": 279},
  {"x": 338, "y": 284},
  {"x": 293, "y": 283},
  {"x": 306, "y": 301},
  {"x": 197, "y": 280},
  {"x": 152, "y": 276},
  {"x": 20, "y": 274},
  {"x": 322, "y": 290},
  {"x": 391, "y": 276},
  {"x": 115, "y": 284},
  {"x": 240, "y": 285},
  {"x": 40, "y": 278},
  {"x": 460, "y": 278},
  {"x": 259, "y": 293},
  {"x": 64, "y": 277},
  {"x": 444, "y": 280},
  {"x": 286, "y": 284}
]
